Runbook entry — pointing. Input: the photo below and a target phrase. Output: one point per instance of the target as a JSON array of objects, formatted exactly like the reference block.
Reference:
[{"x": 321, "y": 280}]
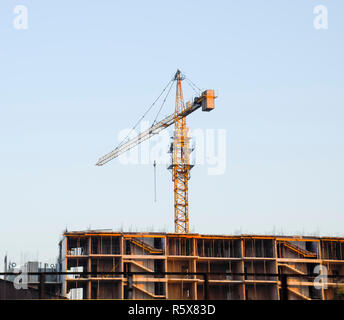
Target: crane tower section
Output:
[{"x": 180, "y": 166}]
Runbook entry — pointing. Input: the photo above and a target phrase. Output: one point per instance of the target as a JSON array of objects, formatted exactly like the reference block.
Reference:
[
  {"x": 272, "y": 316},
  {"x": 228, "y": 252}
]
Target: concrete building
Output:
[
  {"x": 106, "y": 251},
  {"x": 9, "y": 292},
  {"x": 52, "y": 281}
]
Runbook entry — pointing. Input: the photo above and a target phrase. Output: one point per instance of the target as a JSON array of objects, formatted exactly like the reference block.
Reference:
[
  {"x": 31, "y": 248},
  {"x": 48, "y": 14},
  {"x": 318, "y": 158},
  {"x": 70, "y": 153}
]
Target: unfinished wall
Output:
[{"x": 154, "y": 252}]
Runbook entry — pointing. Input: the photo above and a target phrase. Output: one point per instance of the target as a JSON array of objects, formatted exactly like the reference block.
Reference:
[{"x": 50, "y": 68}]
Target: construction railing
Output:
[{"x": 286, "y": 282}]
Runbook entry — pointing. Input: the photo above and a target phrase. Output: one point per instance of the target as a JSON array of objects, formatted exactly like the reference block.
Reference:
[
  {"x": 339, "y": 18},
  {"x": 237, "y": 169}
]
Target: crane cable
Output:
[
  {"x": 154, "y": 165},
  {"x": 163, "y": 102},
  {"x": 193, "y": 86},
  {"x": 142, "y": 117},
  {"x": 170, "y": 83},
  {"x": 190, "y": 83}
]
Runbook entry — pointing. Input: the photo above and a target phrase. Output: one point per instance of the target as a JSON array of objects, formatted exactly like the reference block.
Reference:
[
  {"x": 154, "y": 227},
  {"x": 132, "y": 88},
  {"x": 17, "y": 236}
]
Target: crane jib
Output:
[{"x": 155, "y": 129}]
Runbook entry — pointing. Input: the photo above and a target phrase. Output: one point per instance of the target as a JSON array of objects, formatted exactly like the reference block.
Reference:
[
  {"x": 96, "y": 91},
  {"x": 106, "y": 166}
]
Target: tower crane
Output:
[{"x": 180, "y": 148}]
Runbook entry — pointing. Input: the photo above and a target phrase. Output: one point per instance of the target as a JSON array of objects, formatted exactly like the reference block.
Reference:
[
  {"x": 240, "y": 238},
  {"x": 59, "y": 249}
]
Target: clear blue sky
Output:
[{"x": 84, "y": 70}]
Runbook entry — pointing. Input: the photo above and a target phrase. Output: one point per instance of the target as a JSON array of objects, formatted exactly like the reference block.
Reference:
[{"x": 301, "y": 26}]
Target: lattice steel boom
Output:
[{"x": 180, "y": 148}]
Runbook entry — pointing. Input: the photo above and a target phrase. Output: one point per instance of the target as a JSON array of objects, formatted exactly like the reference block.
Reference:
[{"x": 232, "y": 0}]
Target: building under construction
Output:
[
  {"x": 234, "y": 267},
  {"x": 107, "y": 251}
]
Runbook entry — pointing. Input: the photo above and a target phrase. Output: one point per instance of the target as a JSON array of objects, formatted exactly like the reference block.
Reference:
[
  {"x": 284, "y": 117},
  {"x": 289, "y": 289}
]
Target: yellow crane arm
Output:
[{"x": 206, "y": 101}]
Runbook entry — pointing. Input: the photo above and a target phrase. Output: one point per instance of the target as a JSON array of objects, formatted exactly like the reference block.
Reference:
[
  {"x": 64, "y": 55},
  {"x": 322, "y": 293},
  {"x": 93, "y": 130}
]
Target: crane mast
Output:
[
  {"x": 181, "y": 167},
  {"x": 180, "y": 148}
]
